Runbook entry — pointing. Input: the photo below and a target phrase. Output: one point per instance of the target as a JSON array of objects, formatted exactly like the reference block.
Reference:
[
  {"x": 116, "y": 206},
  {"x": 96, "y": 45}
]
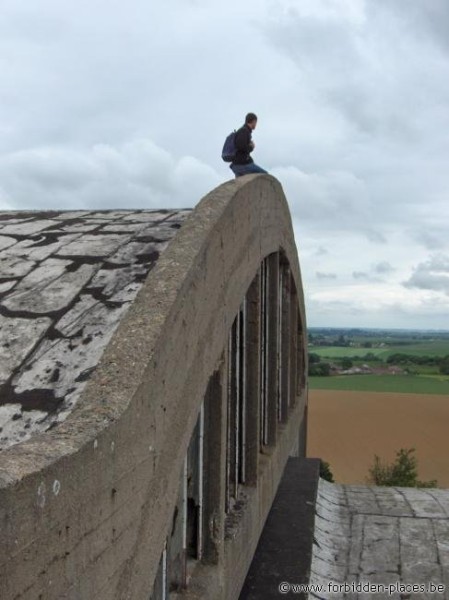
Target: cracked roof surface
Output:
[{"x": 66, "y": 281}]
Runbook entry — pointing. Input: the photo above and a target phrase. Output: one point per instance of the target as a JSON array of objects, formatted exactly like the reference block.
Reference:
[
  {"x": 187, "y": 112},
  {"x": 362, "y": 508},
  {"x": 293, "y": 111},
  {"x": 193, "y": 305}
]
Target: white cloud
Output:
[
  {"x": 137, "y": 174},
  {"x": 387, "y": 305}
]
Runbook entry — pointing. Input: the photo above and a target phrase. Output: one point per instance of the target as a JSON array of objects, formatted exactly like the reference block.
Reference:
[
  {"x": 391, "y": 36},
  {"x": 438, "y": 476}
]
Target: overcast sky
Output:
[{"x": 108, "y": 104}]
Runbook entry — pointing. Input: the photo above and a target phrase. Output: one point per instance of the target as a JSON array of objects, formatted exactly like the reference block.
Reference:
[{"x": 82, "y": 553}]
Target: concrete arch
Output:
[{"x": 85, "y": 507}]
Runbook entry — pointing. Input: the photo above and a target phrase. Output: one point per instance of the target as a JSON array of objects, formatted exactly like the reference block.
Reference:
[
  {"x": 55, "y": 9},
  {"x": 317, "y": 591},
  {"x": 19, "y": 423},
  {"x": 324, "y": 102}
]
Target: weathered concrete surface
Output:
[
  {"x": 382, "y": 536},
  {"x": 85, "y": 507},
  {"x": 62, "y": 295},
  {"x": 19, "y": 337}
]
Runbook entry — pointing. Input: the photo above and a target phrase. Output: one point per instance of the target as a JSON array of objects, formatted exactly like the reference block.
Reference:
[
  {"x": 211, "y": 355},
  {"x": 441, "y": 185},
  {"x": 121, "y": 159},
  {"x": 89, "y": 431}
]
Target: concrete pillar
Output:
[
  {"x": 286, "y": 335},
  {"x": 300, "y": 357},
  {"x": 301, "y": 378},
  {"x": 253, "y": 343},
  {"x": 273, "y": 346},
  {"x": 215, "y": 404},
  {"x": 302, "y": 445},
  {"x": 293, "y": 344},
  {"x": 263, "y": 294},
  {"x": 232, "y": 421}
]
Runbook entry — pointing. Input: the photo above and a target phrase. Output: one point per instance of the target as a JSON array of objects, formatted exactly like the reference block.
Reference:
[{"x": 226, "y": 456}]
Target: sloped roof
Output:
[
  {"x": 380, "y": 535},
  {"x": 66, "y": 281}
]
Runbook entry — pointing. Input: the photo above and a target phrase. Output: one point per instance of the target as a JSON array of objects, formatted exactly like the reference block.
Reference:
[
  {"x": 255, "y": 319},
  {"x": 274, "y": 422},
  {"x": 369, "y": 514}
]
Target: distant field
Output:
[
  {"x": 340, "y": 352},
  {"x": 346, "y": 428},
  {"x": 426, "y": 348},
  {"x": 408, "y": 384}
]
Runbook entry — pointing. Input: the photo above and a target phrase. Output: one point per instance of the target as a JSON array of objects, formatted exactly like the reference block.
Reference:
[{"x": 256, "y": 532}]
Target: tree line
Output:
[{"x": 319, "y": 367}]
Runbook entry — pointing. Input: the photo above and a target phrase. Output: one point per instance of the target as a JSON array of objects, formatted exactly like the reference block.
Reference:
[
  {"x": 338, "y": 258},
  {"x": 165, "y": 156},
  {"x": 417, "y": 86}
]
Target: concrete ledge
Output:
[{"x": 284, "y": 552}]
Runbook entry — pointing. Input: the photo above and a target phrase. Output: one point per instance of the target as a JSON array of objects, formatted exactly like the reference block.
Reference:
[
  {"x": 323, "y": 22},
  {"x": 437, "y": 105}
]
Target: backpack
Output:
[{"x": 229, "y": 149}]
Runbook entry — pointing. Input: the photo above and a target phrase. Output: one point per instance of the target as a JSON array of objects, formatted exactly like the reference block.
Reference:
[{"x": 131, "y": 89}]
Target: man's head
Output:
[{"x": 251, "y": 120}]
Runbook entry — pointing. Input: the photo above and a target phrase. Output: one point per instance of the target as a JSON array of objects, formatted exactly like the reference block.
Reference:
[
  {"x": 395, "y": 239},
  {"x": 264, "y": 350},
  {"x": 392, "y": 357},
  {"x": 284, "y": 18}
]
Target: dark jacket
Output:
[{"x": 243, "y": 146}]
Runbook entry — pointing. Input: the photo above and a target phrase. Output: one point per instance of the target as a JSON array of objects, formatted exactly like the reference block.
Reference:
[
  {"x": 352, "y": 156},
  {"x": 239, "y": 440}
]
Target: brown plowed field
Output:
[{"x": 347, "y": 428}]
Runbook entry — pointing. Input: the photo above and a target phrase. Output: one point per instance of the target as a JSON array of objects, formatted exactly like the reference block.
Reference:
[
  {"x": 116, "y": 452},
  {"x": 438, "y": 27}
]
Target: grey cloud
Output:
[
  {"x": 360, "y": 275},
  {"x": 372, "y": 275},
  {"x": 360, "y": 70},
  {"x": 430, "y": 19},
  {"x": 434, "y": 239},
  {"x": 390, "y": 113},
  {"x": 383, "y": 268},
  {"x": 338, "y": 56},
  {"x": 312, "y": 39},
  {"x": 431, "y": 275},
  {"x": 332, "y": 200},
  {"x": 320, "y": 275},
  {"x": 380, "y": 268},
  {"x": 376, "y": 236}
]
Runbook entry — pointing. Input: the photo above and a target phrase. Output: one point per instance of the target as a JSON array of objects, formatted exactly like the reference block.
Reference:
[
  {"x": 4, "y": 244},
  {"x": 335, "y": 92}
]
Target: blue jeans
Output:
[{"x": 240, "y": 170}]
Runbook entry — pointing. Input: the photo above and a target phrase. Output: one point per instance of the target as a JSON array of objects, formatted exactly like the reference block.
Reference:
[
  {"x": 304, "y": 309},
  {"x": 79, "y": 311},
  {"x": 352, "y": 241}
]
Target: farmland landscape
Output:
[{"x": 374, "y": 392}]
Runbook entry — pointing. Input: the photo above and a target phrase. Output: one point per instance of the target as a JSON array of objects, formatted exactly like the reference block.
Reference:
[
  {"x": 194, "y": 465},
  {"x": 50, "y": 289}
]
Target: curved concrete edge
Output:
[
  {"x": 108, "y": 475},
  {"x": 116, "y": 377}
]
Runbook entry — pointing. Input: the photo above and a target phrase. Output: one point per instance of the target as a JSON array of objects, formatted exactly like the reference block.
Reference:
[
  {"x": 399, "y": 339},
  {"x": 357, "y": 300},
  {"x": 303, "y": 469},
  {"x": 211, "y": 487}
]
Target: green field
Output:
[
  {"x": 425, "y": 348},
  {"x": 407, "y": 384}
]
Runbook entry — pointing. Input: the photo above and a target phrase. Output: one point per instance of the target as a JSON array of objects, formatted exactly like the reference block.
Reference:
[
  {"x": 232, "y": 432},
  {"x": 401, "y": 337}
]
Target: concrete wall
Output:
[{"x": 85, "y": 508}]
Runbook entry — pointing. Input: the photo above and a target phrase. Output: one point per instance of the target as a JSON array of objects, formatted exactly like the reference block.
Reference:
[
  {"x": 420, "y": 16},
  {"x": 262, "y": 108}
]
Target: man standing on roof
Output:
[{"x": 243, "y": 164}]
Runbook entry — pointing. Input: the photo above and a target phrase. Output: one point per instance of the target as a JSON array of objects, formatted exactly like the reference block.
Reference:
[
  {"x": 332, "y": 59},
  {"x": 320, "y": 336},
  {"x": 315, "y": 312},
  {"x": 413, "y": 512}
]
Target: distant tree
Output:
[
  {"x": 403, "y": 472},
  {"x": 444, "y": 366},
  {"x": 341, "y": 341},
  {"x": 367, "y": 345},
  {"x": 319, "y": 369},
  {"x": 370, "y": 356},
  {"x": 398, "y": 359},
  {"x": 314, "y": 358},
  {"x": 346, "y": 363},
  {"x": 325, "y": 471}
]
